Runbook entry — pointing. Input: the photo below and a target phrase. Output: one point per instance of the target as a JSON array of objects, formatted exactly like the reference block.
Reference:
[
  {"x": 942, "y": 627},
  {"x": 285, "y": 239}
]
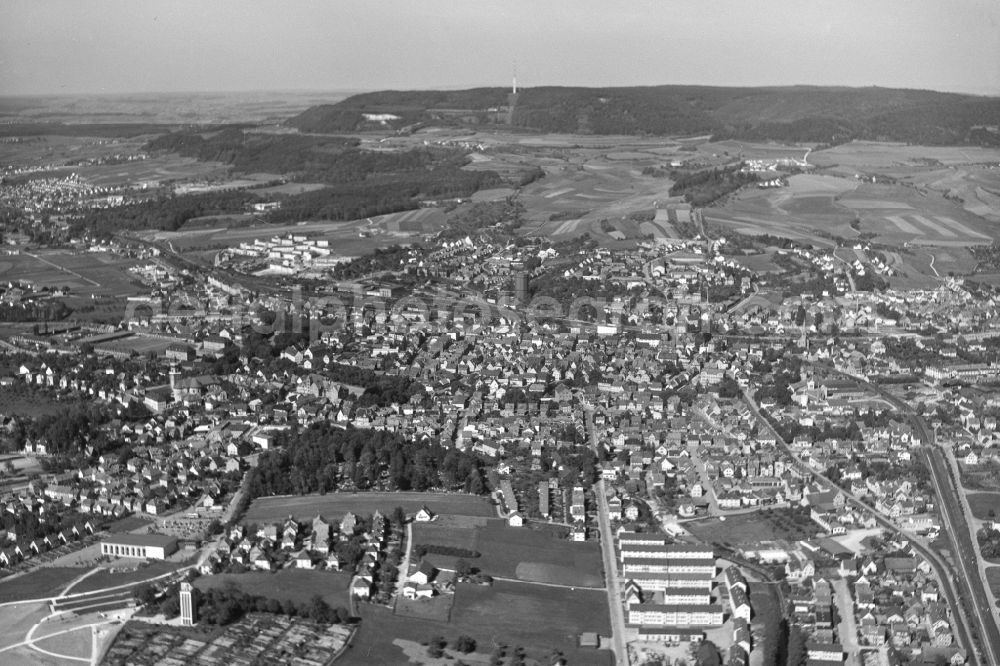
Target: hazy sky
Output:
[{"x": 71, "y": 46}]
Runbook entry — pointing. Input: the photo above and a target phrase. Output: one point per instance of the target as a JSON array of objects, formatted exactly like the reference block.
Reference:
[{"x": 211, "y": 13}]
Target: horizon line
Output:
[{"x": 976, "y": 92}]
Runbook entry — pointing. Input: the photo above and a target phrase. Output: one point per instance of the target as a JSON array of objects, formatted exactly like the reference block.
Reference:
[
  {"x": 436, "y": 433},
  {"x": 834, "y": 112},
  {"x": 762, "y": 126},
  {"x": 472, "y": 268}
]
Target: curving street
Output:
[{"x": 944, "y": 572}]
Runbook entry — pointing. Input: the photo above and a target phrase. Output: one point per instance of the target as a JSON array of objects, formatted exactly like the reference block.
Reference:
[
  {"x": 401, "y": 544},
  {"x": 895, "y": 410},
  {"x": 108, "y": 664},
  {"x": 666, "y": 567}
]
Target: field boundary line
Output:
[{"x": 538, "y": 582}]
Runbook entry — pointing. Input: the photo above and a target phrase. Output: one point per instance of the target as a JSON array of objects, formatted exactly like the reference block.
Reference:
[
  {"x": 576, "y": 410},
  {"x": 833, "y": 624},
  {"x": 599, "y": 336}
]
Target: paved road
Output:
[
  {"x": 610, "y": 562},
  {"x": 941, "y": 569},
  {"x": 404, "y": 568},
  {"x": 611, "y": 574},
  {"x": 966, "y": 553},
  {"x": 970, "y": 520},
  {"x": 847, "y": 630},
  {"x": 971, "y": 581}
]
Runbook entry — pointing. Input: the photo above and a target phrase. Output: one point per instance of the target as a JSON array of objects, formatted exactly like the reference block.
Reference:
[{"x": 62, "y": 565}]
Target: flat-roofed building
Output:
[{"x": 143, "y": 546}]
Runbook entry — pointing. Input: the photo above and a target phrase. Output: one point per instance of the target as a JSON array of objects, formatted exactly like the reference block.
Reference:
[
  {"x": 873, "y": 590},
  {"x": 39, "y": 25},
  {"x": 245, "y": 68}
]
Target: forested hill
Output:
[{"x": 799, "y": 113}]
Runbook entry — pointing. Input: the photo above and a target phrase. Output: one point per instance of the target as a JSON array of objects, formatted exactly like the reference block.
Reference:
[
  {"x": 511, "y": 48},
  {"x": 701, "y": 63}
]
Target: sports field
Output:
[
  {"x": 334, "y": 505},
  {"x": 779, "y": 524}
]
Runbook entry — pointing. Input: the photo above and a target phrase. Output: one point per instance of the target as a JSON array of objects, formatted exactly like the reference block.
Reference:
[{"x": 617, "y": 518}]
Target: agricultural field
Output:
[
  {"x": 981, "y": 504},
  {"x": 333, "y": 506},
  {"x": 502, "y": 614},
  {"x": 897, "y": 215},
  {"x": 65, "y": 153},
  {"x": 588, "y": 189},
  {"x": 957, "y": 260},
  {"x": 156, "y": 169},
  {"x": 750, "y": 151},
  {"x": 347, "y": 239},
  {"x": 298, "y": 585},
  {"x": 779, "y": 524},
  {"x": 806, "y": 210},
  {"x": 437, "y": 608},
  {"x": 976, "y": 187},
  {"x": 759, "y": 263},
  {"x": 814, "y": 207},
  {"x": 517, "y": 553},
  {"x": 876, "y": 155},
  {"x": 290, "y": 189},
  {"x": 87, "y": 273}
]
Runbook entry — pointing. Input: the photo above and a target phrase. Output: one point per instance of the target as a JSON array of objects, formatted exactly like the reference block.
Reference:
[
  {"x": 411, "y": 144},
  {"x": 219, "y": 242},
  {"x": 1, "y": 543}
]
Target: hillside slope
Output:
[{"x": 799, "y": 113}]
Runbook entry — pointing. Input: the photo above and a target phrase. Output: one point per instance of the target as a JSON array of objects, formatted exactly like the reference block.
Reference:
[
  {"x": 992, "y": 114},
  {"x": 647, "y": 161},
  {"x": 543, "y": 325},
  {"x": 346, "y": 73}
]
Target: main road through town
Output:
[{"x": 610, "y": 562}]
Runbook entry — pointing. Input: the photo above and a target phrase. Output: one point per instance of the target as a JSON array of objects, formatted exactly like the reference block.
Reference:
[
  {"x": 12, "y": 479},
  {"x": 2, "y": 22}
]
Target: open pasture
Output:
[
  {"x": 420, "y": 221},
  {"x": 518, "y": 553},
  {"x": 333, "y": 506},
  {"x": 493, "y": 194},
  {"x": 106, "y": 578},
  {"x": 75, "y": 645},
  {"x": 870, "y": 154},
  {"x": 84, "y": 273},
  {"x": 815, "y": 184},
  {"x": 40, "y": 583},
  {"x": 298, "y": 585},
  {"x": 582, "y": 195},
  {"x": 347, "y": 238},
  {"x": 957, "y": 260},
  {"x": 155, "y": 169},
  {"x": 749, "y": 151},
  {"x": 756, "y": 225},
  {"x": 501, "y": 614},
  {"x": 978, "y": 188},
  {"x": 810, "y": 205},
  {"x": 289, "y": 189},
  {"x": 993, "y": 579},
  {"x": 806, "y": 211},
  {"x": 437, "y": 608},
  {"x": 983, "y": 505},
  {"x": 759, "y": 263}
]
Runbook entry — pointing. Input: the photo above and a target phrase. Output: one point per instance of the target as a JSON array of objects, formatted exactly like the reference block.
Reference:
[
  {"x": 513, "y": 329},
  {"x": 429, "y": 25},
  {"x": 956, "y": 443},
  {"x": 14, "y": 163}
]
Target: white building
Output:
[{"x": 146, "y": 546}]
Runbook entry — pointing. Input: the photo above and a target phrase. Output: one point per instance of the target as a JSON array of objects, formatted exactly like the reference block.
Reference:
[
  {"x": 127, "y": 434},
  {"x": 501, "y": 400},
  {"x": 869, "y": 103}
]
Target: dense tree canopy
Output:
[{"x": 324, "y": 458}]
